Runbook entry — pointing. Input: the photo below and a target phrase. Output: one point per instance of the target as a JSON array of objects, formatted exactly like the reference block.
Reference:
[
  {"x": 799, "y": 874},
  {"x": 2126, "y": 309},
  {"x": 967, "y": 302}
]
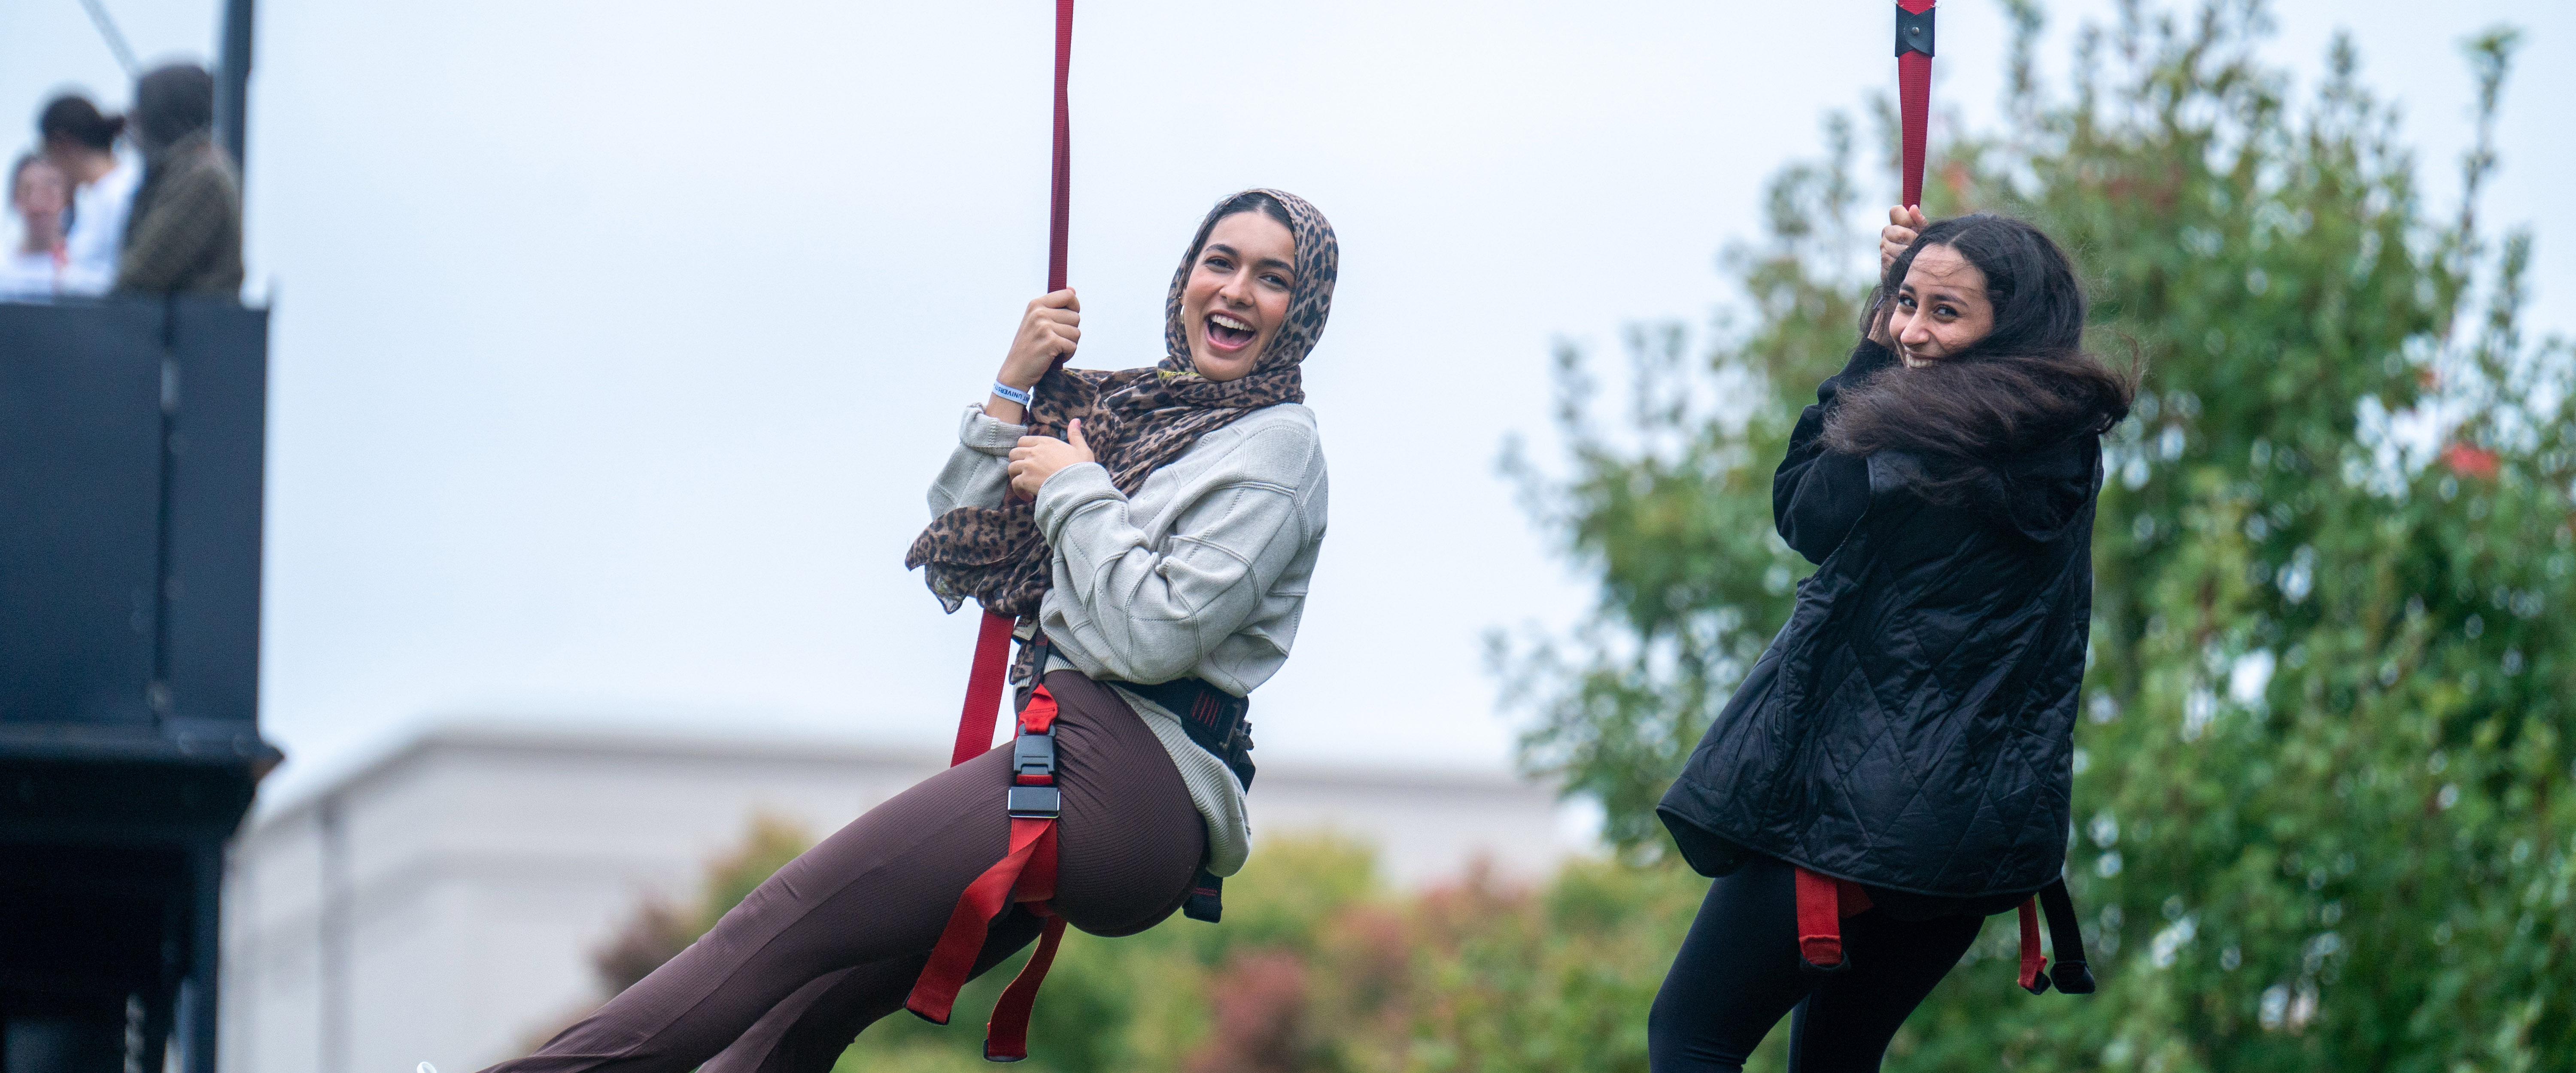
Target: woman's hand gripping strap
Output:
[{"x": 1024, "y": 875}]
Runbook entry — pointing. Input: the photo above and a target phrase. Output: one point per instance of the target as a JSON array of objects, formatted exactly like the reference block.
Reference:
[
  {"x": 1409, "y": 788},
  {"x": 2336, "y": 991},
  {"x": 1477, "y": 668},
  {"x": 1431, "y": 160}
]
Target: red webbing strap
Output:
[
  {"x": 1026, "y": 873},
  {"x": 1823, "y": 902},
  {"x": 1914, "y": 105},
  {"x": 935, "y": 993},
  {"x": 952, "y": 961},
  {"x": 2031, "y": 961},
  {"x": 1006, "y": 1036},
  {"x": 983, "y": 689},
  {"x": 993, "y": 639},
  {"x": 1060, "y": 189}
]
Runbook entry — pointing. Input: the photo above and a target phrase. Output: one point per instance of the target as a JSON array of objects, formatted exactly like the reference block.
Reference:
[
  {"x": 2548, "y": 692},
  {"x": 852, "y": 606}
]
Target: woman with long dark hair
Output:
[
  {"x": 1897, "y": 765},
  {"x": 1153, "y": 530}
]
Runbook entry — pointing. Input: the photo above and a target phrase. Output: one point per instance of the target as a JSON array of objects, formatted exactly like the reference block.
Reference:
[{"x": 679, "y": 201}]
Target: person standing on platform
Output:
[
  {"x": 185, "y": 234},
  {"x": 81, "y": 142},
  {"x": 40, "y": 195}
]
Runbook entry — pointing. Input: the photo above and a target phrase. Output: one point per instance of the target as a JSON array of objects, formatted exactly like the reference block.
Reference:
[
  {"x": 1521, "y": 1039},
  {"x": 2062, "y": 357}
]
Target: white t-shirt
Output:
[
  {"x": 97, "y": 235},
  {"x": 29, "y": 275}
]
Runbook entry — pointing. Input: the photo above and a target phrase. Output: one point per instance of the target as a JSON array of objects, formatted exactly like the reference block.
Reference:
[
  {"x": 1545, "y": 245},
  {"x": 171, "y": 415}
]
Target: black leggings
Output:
[{"x": 1739, "y": 971}]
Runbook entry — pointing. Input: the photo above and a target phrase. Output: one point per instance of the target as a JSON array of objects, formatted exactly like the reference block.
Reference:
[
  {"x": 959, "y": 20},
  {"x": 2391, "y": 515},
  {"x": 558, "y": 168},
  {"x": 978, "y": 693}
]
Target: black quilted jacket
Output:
[{"x": 1911, "y": 728}]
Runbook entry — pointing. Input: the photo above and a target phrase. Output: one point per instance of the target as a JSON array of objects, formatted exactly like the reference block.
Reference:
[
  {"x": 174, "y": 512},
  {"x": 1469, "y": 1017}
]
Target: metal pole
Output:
[
  {"x": 232, "y": 86},
  {"x": 197, "y": 1021}
]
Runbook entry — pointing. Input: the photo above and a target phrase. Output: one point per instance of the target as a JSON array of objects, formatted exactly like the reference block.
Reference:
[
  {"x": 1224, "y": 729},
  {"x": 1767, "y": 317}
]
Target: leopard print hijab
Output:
[{"x": 1136, "y": 420}]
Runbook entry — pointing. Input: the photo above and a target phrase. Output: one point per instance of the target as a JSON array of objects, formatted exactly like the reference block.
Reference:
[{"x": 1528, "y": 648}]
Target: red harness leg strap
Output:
[
  {"x": 2033, "y": 964},
  {"x": 1823, "y": 902},
  {"x": 1914, "y": 87},
  {"x": 1025, "y": 875}
]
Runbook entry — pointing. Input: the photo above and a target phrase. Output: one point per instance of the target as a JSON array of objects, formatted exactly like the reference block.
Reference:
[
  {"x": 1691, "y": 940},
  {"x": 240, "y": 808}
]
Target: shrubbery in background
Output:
[
  {"x": 659, "y": 930},
  {"x": 1317, "y": 967}
]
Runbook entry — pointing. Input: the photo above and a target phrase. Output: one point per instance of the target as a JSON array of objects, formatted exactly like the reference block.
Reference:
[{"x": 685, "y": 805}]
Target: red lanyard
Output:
[{"x": 1914, "y": 87}]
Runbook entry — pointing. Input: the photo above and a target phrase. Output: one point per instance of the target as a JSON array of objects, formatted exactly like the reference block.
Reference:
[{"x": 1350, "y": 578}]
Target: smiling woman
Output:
[
  {"x": 1156, "y": 554},
  {"x": 1238, "y": 290},
  {"x": 1897, "y": 764}
]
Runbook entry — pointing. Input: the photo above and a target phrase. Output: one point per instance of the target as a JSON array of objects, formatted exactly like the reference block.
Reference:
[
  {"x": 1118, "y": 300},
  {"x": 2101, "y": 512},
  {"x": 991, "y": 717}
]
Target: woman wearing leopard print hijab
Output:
[{"x": 1153, "y": 530}]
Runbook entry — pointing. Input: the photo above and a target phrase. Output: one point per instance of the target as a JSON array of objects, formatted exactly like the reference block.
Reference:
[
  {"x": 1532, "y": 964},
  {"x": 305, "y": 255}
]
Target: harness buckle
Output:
[
  {"x": 1034, "y": 754},
  {"x": 1033, "y": 795},
  {"x": 1034, "y": 802}
]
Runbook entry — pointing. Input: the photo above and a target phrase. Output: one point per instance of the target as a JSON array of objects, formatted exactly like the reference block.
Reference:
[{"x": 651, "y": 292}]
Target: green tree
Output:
[{"x": 2320, "y": 821}]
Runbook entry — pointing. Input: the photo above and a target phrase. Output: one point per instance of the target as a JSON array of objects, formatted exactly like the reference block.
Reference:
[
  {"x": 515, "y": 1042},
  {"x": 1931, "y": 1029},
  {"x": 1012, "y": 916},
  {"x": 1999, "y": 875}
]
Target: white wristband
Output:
[{"x": 1009, "y": 393}]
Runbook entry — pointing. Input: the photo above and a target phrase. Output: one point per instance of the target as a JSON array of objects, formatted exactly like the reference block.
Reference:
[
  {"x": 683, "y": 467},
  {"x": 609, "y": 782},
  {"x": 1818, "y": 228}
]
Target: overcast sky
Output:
[{"x": 616, "y": 342}]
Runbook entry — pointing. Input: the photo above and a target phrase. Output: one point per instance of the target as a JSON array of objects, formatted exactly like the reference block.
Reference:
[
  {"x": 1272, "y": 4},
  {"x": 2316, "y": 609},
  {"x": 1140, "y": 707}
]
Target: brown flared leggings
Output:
[{"x": 834, "y": 941}]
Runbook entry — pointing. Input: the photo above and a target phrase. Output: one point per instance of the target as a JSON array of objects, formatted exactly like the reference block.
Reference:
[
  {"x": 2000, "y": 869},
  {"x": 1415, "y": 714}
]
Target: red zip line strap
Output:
[
  {"x": 1914, "y": 87},
  {"x": 1060, "y": 188},
  {"x": 1823, "y": 902},
  {"x": 1026, "y": 873},
  {"x": 983, "y": 689},
  {"x": 984, "y": 678}
]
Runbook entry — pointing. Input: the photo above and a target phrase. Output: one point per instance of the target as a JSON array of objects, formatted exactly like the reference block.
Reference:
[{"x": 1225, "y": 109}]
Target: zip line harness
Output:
[{"x": 1824, "y": 901}]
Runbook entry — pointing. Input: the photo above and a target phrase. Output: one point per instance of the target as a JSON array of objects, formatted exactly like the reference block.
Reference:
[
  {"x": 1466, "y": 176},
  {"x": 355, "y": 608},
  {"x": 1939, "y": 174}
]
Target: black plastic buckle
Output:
[
  {"x": 1914, "y": 32},
  {"x": 1034, "y": 802},
  {"x": 1034, "y": 754}
]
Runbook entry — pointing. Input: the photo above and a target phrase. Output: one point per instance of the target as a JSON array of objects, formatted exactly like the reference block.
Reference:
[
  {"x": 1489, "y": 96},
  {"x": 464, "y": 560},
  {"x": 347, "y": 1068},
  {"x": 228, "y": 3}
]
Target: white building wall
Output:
[{"x": 474, "y": 871}]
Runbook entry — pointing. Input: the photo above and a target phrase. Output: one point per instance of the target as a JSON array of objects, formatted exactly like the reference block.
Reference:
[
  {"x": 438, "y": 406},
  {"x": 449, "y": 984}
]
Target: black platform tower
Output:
[{"x": 130, "y": 470}]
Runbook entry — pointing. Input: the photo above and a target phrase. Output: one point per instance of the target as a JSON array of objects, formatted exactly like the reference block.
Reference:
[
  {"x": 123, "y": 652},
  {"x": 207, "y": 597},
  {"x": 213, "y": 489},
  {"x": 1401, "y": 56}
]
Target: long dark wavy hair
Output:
[{"x": 2028, "y": 385}]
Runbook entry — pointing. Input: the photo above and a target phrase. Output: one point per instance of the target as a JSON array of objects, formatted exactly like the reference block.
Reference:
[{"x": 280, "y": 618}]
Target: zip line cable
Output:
[{"x": 114, "y": 37}]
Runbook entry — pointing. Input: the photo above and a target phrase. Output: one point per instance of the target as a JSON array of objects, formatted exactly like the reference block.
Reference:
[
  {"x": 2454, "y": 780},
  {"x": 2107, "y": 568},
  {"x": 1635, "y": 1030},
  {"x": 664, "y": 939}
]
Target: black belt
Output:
[{"x": 1212, "y": 717}]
